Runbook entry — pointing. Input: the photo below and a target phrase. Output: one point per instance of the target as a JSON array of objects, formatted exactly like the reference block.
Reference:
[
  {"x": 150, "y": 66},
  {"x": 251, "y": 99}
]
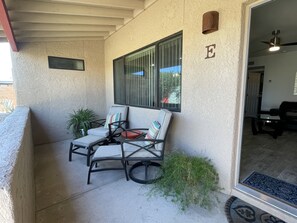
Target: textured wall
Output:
[
  {"x": 53, "y": 93},
  {"x": 209, "y": 87},
  {"x": 279, "y": 78},
  {"x": 17, "y": 200}
]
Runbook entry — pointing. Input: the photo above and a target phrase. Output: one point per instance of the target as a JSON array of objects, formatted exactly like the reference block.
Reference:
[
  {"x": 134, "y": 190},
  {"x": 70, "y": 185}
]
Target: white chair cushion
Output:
[
  {"x": 119, "y": 109},
  {"x": 88, "y": 140},
  {"x": 164, "y": 120},
  {"x": 112, "y": 151},
  {"x": 101, "y": 131}
]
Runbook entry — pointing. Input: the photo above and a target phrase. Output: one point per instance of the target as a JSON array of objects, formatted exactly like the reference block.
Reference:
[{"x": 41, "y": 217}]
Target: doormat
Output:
[
  {"x": 238, "y": 211},
  {"x": 273, "y": 187}
]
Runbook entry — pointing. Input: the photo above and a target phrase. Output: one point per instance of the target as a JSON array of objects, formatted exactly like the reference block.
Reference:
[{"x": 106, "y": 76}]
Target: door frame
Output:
[{"x": 260, "y": 200}]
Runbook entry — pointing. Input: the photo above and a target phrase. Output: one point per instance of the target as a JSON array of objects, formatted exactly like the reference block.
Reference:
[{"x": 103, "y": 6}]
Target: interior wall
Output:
[
  {"x": 54, "y": 93},
  {"x": 205, "y": 125},
  {"x": 279, "y": 78}
]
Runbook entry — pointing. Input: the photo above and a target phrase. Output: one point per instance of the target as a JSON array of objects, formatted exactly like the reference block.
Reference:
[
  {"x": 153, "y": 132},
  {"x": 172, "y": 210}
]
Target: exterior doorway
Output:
[{"x": 261, "y": 154}]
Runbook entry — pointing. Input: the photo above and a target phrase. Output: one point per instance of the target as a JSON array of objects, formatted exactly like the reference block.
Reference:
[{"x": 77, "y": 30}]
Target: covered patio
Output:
[
  {"x": 207, "y": 94},
  {"x": 62, "y": 194}
]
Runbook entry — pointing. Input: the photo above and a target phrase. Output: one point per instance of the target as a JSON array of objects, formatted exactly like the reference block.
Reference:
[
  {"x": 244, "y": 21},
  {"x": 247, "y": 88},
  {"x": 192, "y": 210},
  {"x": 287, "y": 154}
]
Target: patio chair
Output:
[
  {"x": 105, "y": 132},
  {"x": 116, "y": 121},
  {"x": 147, "y": 152}
]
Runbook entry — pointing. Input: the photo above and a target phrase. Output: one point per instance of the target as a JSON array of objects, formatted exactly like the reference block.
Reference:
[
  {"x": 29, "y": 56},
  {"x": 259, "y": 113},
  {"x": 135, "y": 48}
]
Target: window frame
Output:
[{"x": 157, "y": 71}]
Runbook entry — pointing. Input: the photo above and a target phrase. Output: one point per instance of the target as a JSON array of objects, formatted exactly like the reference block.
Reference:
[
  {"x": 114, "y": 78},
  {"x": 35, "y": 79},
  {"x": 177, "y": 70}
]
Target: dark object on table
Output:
[{"x": 288, "y": 115}]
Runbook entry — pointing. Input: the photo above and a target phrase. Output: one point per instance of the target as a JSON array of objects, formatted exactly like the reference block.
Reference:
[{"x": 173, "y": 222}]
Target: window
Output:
[
  {"x": 66, "y": 63},
  {"x": 151, "y": 77}
]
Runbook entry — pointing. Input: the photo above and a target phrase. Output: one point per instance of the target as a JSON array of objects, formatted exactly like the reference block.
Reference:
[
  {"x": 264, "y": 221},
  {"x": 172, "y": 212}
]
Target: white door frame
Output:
[{"x": 262, "y": 201}]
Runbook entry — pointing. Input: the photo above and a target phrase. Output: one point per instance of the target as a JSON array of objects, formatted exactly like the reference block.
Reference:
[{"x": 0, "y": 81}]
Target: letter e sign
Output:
[{"x": 210, "y": 51}]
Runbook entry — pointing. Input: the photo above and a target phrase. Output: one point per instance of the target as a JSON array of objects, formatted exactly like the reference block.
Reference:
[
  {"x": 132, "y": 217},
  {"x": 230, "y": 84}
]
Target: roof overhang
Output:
[{"x": 6, "y": 31}]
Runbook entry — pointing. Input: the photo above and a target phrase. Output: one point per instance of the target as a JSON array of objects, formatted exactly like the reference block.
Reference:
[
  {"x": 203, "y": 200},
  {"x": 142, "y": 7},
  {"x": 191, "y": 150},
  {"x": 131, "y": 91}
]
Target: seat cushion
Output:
[
  {"x": 101, "y": 131},
  {"x": 111, "y": 151},
  {"x": 88, "y": 140}
]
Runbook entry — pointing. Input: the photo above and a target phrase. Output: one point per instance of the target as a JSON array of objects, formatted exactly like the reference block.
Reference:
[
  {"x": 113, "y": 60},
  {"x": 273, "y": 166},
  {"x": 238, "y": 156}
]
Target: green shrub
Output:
[
  {"x": 80, "y": 120},
  {"x": 187, "y": 180}
]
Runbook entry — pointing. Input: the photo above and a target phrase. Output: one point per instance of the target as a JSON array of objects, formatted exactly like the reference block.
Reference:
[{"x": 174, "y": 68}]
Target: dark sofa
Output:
[{"x": 288, "y": 115}]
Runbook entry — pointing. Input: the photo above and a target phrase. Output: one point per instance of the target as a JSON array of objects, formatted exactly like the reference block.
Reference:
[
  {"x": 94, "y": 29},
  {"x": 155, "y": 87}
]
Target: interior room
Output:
[{"x": 269, "y": 138}]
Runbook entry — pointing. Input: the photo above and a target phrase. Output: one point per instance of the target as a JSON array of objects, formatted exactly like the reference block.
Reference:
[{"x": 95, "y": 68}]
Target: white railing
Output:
[{"x": 17, "y": 200}]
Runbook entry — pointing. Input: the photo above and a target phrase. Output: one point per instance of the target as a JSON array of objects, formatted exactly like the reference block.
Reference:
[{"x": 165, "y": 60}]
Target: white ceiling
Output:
[
  {"x": 276, "y": 14},
  {"x": 58, "y": 20}
]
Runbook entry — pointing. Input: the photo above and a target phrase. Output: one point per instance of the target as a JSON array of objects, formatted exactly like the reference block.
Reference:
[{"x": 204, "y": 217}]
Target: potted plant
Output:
[
  {"x": 80, "y": 121},
  {"x": 187, "y": 181}
]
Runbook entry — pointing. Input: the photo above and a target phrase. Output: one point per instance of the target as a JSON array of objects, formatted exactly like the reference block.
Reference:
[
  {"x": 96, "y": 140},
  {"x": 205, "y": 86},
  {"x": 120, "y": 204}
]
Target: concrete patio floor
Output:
[{"x": 62, "y": 194}]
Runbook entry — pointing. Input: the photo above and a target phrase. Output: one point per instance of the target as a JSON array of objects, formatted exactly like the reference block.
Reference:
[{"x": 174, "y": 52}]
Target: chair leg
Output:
[
  {"x": 124, "y": 163},
  {"x": 70, "y": 152},
  {"x": 88, "y": 155},
  {"x": 90, "y": 170}
]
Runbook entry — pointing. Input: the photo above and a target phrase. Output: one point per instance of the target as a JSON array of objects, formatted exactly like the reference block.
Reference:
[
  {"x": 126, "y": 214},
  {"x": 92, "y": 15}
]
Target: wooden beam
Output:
[
  {"x": 5, "y": 22},
  {"x": 59, "y": 34},
  {"x": 56, "y": 39},
  {"x": 67, "y": 9},
  {"x": 128, "y": 4},
  {"x": 63, "y": 19},
  {"x": 59, "y": 27}
]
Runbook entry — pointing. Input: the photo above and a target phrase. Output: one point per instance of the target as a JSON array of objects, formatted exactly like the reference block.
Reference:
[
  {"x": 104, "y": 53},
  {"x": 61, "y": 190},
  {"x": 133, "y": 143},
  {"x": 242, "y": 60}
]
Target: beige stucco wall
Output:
[
  {"x": 17, "y": 196},
  {"x": 209, "y": 121},
  {"x": 53, "y": 93},
  {"x": 205, "y": 124}
]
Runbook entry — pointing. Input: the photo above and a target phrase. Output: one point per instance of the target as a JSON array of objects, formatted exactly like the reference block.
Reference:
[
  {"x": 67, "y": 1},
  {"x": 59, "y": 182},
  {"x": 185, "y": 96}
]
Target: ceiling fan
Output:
[{"x": 275, "y": 42}]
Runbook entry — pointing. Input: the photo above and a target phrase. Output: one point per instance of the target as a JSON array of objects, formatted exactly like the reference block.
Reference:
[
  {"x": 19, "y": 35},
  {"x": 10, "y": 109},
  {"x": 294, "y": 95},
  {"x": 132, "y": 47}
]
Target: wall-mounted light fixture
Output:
[{"x": 210, "y": 22}]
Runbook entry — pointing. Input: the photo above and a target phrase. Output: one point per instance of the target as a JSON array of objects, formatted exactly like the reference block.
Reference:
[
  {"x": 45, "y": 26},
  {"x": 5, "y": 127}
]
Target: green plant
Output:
[
  {"x": 80, "y": 120},
  {"x": 7, "y": 105},
  {"x": 187, "y": 180}
]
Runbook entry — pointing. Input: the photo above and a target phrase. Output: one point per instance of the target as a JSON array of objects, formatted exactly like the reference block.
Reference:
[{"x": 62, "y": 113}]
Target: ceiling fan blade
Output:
[
  {"x": 266, "y": 42},
  {"x": 289, "y": 44}
]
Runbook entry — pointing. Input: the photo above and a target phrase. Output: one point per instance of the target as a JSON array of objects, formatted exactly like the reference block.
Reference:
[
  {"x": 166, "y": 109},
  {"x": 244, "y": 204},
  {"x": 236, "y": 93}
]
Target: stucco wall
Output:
[
  {"x": 17, "y": 199},
  {"x": 53, "y": 93},
  {"x": 205, "y": 125},
  {"x": 279, "y": 78}
]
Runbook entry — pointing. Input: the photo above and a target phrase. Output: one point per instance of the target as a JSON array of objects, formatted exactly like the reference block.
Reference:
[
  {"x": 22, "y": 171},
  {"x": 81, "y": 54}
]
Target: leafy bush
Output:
[
  {"x": 80, "y": 120},
  {"x": 6, "y": 105},
  {"x": 187, "y": 180}
]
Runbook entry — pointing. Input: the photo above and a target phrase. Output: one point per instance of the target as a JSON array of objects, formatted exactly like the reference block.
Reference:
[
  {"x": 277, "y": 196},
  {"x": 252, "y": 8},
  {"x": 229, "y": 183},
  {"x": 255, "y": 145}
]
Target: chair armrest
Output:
[
  {"x": 154, "y": 142},
  {"x": 138, "y": 147},
  {"x": 97, "y": 123}
]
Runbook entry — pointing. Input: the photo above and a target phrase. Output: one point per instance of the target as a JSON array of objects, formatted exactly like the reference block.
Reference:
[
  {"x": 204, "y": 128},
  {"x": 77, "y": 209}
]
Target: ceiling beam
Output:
[
  {"x": 59, "y": 27},
  {"x": 130, "y": 4},
  {"x": 63, "y": 19},
  {"x": 55, "y": 39},
  {"x": 5, "y": 22},
  {"x": 59, "y": 34},
  {"x": 67, "y": 9}
]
